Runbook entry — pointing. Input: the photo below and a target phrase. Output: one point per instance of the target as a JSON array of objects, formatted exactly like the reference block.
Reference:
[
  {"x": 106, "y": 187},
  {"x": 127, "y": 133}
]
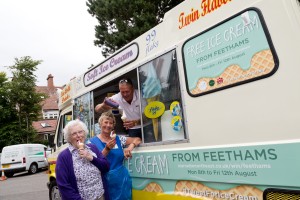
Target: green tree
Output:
[
  {"x": 8, "y": 115},
  {"x": 121, "y": 21},
  {"x": 23, "y": 97},
  {"x": 6, "y": 112}
]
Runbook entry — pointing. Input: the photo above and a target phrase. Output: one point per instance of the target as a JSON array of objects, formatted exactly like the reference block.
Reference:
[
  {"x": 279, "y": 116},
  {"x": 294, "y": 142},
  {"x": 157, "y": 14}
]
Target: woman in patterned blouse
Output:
[{"x": 80, "y": 171}]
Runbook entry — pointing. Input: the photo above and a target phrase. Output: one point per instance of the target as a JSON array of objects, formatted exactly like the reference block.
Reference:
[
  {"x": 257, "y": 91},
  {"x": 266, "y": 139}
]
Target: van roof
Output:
[{"x": 18, "y": 145}]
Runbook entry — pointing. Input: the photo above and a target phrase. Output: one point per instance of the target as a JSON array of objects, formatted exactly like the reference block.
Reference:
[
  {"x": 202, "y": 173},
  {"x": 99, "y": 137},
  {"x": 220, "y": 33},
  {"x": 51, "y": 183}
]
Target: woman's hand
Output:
[
  {"x": 127, "y": 153},
  {"x": 111, "y": 144},
  {"x": 83, "y": 153}
]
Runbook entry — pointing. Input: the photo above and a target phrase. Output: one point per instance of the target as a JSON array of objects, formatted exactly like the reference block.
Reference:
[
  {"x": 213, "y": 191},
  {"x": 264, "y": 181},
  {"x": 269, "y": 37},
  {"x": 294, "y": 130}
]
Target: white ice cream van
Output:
[
  {"x": 221, "y": 84},
  {"x": 23, "y": 157}
]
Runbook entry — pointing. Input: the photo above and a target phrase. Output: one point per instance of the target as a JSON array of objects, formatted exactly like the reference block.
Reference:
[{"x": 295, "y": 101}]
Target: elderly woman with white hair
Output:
[{"x": 80, "y": 170}]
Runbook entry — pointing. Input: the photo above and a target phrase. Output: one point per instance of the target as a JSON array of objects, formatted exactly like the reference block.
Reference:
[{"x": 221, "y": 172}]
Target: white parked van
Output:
[{"x": 23, "y": 157}]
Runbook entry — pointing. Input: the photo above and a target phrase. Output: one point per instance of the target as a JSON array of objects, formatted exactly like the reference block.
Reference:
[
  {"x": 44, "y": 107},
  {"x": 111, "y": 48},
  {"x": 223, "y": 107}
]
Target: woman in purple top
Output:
[{"x": 80, "y": 168}]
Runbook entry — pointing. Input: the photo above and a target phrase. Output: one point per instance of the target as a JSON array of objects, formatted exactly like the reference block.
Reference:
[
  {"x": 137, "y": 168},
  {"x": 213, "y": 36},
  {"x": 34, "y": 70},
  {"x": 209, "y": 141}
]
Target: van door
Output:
[
  {"x": 35, "y": 155},
  {"x": 12, "y": 159}
]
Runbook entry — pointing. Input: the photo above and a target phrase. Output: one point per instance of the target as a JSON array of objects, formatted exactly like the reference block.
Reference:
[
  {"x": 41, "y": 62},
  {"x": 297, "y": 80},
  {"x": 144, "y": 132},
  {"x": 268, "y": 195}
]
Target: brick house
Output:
[{"x": 46, "y": 126}]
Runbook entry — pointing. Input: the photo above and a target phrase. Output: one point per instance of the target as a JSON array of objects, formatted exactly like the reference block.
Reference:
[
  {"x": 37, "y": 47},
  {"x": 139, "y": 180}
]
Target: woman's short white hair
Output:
[{"x": 71, "y": 124}]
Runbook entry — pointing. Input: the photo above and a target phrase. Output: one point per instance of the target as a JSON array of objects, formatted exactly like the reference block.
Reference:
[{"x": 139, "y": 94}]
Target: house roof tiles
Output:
[{"x": 45, "y": 126}]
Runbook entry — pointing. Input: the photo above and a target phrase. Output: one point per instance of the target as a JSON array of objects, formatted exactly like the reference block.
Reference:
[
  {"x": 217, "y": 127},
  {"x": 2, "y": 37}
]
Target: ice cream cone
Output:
[
  {"x": 123, "y": 117},
  {"x": 155, "y": 120},
  {"x": 113, "y": 135},
  {"x": 80, "y": 145},
  {"x": 151, "y": 89}
]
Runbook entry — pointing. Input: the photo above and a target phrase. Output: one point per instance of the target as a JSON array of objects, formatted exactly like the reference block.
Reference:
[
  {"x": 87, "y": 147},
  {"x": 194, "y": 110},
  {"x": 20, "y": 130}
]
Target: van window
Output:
[
  {"x": 236, "y": 51},
  {"x": 107, "y": 90},
  {"x": 64, "y": 119},
  {"x": 83, "y": 106},
  {"x": 160, "y": 90},
  {"x": 157, "y": 81}
]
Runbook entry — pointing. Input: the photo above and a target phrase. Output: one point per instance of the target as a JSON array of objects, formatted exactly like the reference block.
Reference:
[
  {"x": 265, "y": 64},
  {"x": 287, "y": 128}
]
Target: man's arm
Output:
[{"x": 102, "y": 107}]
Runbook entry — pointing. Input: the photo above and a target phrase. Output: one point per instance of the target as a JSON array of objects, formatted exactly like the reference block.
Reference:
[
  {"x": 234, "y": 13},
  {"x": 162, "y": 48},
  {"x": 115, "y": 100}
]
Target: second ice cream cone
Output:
[{"x": 113, "y": 135}]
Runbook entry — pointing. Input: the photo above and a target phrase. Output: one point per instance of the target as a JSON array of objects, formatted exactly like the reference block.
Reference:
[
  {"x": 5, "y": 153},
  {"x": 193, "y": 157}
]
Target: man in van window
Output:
[{"x": 126, "y": 100}]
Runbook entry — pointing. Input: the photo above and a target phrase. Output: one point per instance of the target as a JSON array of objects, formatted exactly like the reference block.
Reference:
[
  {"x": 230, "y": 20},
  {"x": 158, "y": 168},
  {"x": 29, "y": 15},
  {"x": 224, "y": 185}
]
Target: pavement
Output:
[{"x": 23, "y": 186}]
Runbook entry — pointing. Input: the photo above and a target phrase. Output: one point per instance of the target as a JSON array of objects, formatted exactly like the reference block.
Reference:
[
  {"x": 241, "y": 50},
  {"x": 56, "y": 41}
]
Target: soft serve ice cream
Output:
[
  {"x": 113, "y": 135},
  {"x": 123, "y": 117},
  {"x": 151, "y": 87}
]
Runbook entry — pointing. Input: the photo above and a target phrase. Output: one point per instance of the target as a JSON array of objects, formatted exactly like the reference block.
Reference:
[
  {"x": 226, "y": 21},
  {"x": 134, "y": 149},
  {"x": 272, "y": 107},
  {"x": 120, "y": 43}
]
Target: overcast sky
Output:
[{"x": 59, "y": 32}]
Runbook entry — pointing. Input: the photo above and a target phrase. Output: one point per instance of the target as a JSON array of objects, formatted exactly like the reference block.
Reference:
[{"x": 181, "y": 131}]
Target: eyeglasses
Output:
[
  {"x": 77, "y": 133},
  {"x": 125, "y": 81}
]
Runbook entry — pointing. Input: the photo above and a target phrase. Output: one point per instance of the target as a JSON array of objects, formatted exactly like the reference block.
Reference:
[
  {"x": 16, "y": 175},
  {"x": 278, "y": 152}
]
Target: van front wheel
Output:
[
  {"x": 32, "y": 169},
  {"x": 53, "y": 191}
]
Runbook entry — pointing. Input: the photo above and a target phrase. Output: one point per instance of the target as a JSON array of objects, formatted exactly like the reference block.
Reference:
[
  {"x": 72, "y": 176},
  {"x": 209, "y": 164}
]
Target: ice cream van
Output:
[
  {"x": 221, "y": 84},
  {"x": 23, "y": 157}
]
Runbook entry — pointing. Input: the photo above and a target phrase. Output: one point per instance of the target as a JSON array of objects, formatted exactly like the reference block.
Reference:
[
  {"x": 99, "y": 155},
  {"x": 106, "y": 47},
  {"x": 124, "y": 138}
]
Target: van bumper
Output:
[{"x": 15, "y": 170}]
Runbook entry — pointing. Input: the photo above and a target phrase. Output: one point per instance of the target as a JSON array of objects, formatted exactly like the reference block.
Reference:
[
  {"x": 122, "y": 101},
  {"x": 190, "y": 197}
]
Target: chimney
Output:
[{"x": 50, "y": 82}]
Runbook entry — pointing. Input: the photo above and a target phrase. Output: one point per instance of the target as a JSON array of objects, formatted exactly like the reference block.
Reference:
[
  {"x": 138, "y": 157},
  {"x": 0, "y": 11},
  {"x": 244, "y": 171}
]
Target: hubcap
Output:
[
  {"x": 34, "y": 169},
  {"x": 55, "y": 193}
]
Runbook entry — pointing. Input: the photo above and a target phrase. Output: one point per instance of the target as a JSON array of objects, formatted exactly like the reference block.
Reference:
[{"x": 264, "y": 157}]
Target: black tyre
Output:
[
  {"x": 33, "y": 168},
  {"x": 53, "y": 191},
  {"x": 9, "y": 174}
]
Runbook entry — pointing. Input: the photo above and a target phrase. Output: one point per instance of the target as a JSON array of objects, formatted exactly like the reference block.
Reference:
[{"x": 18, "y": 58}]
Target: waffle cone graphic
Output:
[
  {"x": 153, "y": 187},
  {"x": 192, "y": 188},
  {"x": 261, "y": 64}
]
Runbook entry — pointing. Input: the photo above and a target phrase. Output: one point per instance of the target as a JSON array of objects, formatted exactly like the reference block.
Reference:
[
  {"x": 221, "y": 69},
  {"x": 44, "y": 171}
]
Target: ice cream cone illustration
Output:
[
  {"x": 154, "y": 120},
  {"x": 151, "y": 90}
]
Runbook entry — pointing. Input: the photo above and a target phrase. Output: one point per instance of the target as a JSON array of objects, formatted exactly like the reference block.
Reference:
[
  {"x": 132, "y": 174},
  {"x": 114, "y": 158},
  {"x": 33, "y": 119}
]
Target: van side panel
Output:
[
  {"x": 36, "y": 154},
  {"x": 243, "y": 139}
]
